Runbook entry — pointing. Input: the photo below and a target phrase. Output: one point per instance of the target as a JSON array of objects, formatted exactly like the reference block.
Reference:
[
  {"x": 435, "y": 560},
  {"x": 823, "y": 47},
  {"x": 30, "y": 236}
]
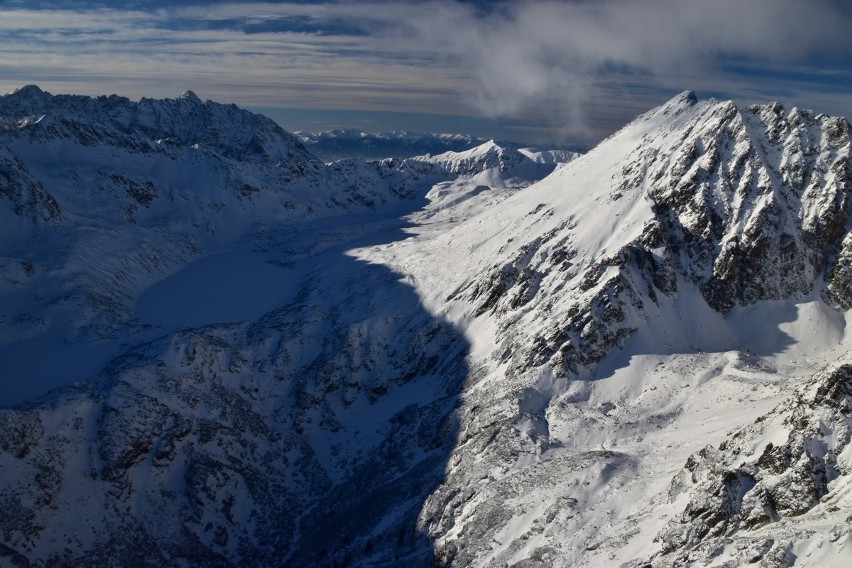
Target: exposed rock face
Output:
[
  {"x": 29, "y": 198},
  {"x": 756, "y": 201},
  {"x": 748, "y": 205}
]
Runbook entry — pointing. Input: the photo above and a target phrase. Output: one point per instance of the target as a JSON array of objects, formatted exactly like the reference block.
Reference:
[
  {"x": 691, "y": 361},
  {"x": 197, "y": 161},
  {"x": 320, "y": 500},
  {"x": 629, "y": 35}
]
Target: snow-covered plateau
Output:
[{"x": 217, "y": 350}]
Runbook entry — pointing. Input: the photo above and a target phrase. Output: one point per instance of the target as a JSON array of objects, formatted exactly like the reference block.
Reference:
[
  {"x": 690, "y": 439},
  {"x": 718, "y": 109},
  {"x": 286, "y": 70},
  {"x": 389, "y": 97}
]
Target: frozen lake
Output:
[{"x": 222, "y": 288}]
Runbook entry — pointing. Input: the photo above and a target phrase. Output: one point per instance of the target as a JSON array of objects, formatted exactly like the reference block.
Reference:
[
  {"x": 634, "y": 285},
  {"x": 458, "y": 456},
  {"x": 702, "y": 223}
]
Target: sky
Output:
[{"x": 540, "y": 71}]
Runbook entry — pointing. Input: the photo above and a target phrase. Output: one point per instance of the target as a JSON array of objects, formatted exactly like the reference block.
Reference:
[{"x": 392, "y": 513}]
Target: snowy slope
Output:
[
  {"x": 225, "y": 367},
  {"x": 481, "y": 358}
]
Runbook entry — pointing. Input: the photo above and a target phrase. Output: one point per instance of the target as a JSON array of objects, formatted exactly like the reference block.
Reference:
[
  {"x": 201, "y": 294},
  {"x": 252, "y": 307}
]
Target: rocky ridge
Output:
[{"x": 746, "y": 205}]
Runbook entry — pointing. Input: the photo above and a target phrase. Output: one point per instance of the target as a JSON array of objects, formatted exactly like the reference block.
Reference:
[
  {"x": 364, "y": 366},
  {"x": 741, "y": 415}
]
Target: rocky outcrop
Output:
[
  {"x": 747, "y": 482},
  {"x": 28, "y": 197},
  {"x": 721, "y": 208},
  {"x": 753, "y": 203}
]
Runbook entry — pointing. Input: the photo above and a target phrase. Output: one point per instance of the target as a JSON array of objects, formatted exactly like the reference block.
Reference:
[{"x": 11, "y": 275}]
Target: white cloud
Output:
[{"x": 539, "y": 51}]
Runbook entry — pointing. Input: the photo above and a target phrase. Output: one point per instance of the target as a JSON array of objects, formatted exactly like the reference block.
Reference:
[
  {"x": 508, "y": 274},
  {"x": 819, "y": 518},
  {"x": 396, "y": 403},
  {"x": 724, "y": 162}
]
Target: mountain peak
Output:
[
  {"x": 29, "y": 94},
  {"x": 684, "y": 99},
  {"x": 190, "y": 96},
  {"x": 29, "y": 91},
  {"x": 27, "y": 101}
]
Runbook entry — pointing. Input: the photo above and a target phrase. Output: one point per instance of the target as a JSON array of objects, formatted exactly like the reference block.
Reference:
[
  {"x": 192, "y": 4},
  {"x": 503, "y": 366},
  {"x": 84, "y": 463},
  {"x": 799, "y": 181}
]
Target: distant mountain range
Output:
[{"x": 337, "y": 144}]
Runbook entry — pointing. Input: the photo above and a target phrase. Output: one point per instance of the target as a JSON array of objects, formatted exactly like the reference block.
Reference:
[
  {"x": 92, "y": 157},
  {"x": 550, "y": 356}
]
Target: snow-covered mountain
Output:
[
  {"x": 503, "y": 162},
  {"x": 490, "y": 357},
  {"x": 650, "y": 298}
]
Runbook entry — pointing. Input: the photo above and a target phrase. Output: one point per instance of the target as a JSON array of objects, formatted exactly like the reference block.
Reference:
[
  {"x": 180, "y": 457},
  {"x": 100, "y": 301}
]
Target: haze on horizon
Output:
[{"x": 525, "y": 70}]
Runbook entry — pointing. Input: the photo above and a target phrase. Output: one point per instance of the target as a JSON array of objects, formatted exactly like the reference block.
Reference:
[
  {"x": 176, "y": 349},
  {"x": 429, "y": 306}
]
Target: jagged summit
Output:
[
  {"x": 230, "y": 131},
  {"x": 29, "y": 99},
  {"x": 191, "y": 97},
  {"x": 745, "y": 205}
]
